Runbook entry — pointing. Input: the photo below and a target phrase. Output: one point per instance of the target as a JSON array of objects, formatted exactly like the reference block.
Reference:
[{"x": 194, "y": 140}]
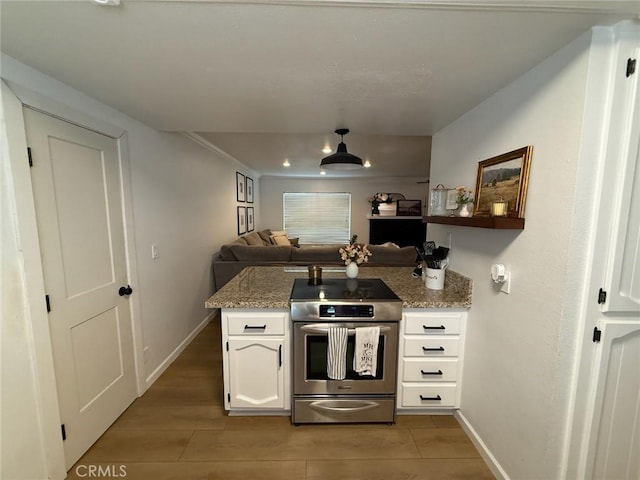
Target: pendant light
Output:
[{"x": 341, "y": 160}]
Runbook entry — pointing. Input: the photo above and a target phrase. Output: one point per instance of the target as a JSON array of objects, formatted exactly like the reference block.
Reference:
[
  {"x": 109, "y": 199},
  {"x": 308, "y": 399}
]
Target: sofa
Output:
[{"x": 269, "y": 248}]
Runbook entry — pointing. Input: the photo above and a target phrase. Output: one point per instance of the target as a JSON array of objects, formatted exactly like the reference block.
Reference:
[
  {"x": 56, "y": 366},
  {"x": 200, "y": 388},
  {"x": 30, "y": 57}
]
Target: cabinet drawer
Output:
[
  {"x": 431, "y": 347},
  {"x": 432, "y": 324},
  {"x": 262, "y": 324},
  {"x": 428, "y": 396},
  {"x": 440, "y": 370}
]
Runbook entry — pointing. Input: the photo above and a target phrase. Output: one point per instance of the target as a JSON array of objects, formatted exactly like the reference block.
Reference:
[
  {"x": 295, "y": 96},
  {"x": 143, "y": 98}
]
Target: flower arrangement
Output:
[
  {"x": 380, "y": 198},
  {"x": 354, "y": 252},
  {"x": 377, "y": 198},
  {"x": 464, "y": 196}
]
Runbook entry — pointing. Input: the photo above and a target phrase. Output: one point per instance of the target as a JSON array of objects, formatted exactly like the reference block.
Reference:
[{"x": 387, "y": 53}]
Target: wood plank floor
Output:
[{"x": 179, "y": 430}]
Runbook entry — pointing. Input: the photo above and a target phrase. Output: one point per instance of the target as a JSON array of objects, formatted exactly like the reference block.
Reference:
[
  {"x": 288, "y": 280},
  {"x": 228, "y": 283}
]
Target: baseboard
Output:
[
  {"x": 178, "y": 350},
  {"x": 486, "y": 454}
]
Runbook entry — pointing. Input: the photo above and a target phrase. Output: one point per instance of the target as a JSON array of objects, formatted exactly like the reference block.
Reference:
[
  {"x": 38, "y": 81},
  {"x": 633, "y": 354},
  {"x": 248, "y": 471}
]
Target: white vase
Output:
[
  {"x": 464, "y": 210},
  {"x": 352, "y": 270}
]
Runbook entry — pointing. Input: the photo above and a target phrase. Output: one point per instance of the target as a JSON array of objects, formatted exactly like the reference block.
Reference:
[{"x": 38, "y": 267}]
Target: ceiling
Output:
[{"x": 268, "y": 81}]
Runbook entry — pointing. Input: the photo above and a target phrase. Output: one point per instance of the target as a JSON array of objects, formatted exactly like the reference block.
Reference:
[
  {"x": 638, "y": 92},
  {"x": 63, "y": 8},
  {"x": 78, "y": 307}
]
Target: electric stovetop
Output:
[
  {"x": 342, "y": 289},
  {"x": 334, "y": 298}
]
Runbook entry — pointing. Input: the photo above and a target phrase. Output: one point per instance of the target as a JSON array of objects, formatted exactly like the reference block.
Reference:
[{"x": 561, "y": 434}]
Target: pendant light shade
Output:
[{"x": 341, "y": 160}]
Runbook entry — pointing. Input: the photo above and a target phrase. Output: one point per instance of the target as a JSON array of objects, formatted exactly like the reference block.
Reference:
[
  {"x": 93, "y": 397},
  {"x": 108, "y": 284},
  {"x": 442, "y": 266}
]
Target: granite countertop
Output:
[{"x": 270, "y": 287}]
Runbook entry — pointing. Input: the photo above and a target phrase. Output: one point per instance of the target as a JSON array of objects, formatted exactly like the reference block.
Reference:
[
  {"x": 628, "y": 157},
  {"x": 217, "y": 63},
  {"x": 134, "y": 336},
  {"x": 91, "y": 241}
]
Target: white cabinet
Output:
[
  {"x": 616, "y": 444},
  {"x": 256, "y": 360},
  {"x": 605, "y": 439},
  {"x": 430, "y": 359},
  {"x": 622, "y": 278}
]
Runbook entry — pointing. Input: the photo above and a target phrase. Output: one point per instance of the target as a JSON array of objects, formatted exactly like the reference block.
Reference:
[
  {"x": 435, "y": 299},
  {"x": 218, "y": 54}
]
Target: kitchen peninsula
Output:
[
  {"x": 270, "y": 287},
  {"x": 257, "y": 339}
]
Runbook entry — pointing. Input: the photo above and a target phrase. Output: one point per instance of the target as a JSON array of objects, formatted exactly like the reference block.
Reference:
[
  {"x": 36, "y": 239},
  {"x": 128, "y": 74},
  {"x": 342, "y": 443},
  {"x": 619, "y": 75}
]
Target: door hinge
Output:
[
  {"x": 631, "y": 67},
  {"x": 64, "y": 432},
  {"x": 597, "y": 333},
  {"x": 602, "y": 296},
  {"x": 30, "y": 157},
  {"x": 48, "y": 302}
]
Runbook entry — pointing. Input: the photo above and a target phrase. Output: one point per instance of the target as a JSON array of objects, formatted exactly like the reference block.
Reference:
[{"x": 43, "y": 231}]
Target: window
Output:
[{"x": 317, "y": 217}]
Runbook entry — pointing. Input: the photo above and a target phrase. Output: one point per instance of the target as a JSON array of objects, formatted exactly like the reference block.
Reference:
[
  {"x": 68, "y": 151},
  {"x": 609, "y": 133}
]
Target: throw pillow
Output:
[
  {"x": 264, "y": 235},
  {"x": 280, "y": 240}
]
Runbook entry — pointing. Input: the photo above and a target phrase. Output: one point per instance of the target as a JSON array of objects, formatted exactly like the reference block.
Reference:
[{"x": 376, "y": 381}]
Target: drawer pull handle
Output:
[
  {"x": 439, "y": 372},
  {"x": 438, "y": 349},
  {"x": 279, "y": 355},
  {"x": 437, "y": 397},
  {"x": 441, "y": 327},
  {"x": 255, "y": 327}
]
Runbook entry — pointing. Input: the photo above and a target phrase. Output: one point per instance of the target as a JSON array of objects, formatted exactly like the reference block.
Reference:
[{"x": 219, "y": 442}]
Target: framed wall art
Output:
[
  {"x": 240, "y": 187},
  {"x": 408, "y": 208},
  {"x": 504, "y": 178},
  {"x": 242, "y": 220},
  {"x": 249, "y": 190},
  {"x": 250, "y": 219}
]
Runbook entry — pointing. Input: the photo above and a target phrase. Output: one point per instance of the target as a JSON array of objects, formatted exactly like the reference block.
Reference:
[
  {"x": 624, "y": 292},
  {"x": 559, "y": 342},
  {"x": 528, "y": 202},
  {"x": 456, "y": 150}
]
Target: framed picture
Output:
[
  {"x": 240, "y": 187},
  {"x": 249, "y": 190},
  {"x": 410, "y": 208},
  {"x": 250, "y": 219},
  {"x": 503, "y": 177},
  {"x": 242, "y": 220}
]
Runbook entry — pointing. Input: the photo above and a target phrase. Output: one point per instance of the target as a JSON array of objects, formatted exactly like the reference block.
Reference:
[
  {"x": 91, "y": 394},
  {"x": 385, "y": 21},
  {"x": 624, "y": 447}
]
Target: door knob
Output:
[{"x": 125, "y": 291}]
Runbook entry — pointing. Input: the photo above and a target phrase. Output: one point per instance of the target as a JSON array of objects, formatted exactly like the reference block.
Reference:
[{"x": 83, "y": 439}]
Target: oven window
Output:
[{"x": 317, "y": 359}]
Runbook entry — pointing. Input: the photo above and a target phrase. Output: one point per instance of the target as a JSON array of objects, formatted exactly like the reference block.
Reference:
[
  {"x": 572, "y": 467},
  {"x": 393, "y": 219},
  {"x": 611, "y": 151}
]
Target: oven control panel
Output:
[{"x": 346, "y": 311}]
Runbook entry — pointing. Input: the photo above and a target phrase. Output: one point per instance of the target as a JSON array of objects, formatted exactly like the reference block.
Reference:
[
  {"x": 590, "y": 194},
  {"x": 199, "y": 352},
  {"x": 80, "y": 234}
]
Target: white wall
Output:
[
  {"x": 518, "y": 359},
  {"x": 272, "y": 188},
  {"x": 178, "y": 195}
]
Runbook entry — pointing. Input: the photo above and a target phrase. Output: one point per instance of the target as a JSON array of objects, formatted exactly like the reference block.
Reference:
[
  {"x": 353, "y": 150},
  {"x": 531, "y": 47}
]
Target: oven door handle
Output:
[
  {"x": 323, "y": 328},
  {"x": 366, "y": 405}
]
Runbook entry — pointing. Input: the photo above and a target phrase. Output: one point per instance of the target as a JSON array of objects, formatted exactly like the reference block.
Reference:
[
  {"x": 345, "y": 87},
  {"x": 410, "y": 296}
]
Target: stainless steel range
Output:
[{"x": 348, "y": 304}]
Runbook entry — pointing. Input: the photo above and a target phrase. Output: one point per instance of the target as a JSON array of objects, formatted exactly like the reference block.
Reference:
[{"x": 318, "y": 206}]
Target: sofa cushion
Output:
[
  {"x": 392, "y": 255},
  {"x": 264, "y": 235},
  {"x": 225, "y": 250},
  {"x": 316, "y": 254},
  {"x": 255, "y": 253},
  {"x": 253, "y": 239}
]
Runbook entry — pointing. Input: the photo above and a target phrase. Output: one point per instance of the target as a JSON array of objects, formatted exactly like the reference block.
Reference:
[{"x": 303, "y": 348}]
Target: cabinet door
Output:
[
  {"x": 622, "y": 281},
  {"x": 256, "y": 374},
  {"x": 616, "y": 420}
]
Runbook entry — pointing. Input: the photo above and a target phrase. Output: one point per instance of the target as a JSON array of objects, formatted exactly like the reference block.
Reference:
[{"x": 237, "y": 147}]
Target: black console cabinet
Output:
[{"x": 403, "y": 231}]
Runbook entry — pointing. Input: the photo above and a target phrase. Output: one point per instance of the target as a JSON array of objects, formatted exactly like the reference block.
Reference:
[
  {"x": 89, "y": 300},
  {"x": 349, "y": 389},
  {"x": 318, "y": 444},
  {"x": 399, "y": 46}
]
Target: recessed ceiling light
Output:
[
  {"x": 327, "y": 149},
  {"x": 366, "y": 164},
  {"x": 286, "y": 163},
  {"x": 323, "y": 172},
  {"x": 111, "y": 3}
]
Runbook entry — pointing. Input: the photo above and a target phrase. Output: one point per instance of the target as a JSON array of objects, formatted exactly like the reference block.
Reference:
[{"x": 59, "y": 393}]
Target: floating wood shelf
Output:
[{"x": 498, "y": 223}]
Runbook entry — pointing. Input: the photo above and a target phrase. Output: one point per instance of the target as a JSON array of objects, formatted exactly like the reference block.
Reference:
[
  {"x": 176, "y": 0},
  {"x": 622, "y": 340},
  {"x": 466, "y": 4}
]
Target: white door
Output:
[
  {"x": 76, "y": 185},
  {"x": 256, "y": 378}
]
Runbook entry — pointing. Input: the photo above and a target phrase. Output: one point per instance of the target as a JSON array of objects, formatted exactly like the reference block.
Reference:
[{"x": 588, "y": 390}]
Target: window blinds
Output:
[{"x": 317, "y": 217}]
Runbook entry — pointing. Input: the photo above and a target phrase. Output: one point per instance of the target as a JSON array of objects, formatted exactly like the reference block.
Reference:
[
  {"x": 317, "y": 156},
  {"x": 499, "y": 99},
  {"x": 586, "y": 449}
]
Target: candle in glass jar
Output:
[{"x": 499, "y": 209}]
